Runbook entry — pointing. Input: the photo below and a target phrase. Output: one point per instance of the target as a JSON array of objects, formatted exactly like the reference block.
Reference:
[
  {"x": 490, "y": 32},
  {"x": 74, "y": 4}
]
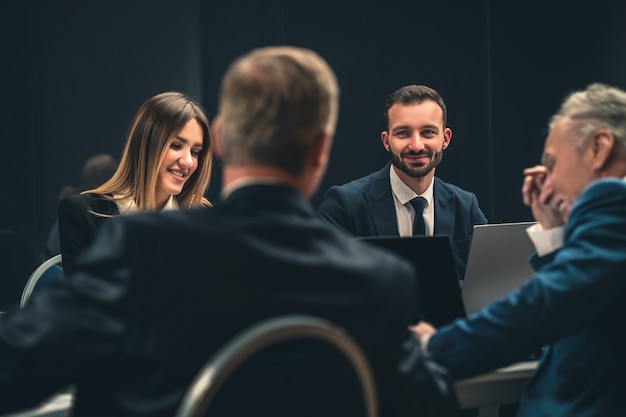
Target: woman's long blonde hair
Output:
[{"x": 153, "y": 129}]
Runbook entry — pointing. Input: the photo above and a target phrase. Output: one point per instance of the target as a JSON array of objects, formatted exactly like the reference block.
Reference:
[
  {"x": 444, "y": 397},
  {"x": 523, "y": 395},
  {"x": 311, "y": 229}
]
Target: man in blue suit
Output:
[
  {"x": 380, "y": 203},
  {"x": 574, "y": 305}
]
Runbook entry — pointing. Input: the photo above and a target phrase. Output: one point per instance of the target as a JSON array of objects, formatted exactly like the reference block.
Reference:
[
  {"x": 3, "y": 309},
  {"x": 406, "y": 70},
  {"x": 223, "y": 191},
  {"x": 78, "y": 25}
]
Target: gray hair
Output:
[
  {"x": 598, "y": 106},
  {"x": 274, "y": 104}
]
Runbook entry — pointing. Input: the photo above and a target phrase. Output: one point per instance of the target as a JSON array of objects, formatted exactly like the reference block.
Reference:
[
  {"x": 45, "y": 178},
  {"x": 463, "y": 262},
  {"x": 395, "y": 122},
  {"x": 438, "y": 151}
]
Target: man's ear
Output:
[
  {"x": 602, "y": 146},
  {"x": 384, "y": 137},
  {"x": 321, "y": 150},
  {"x": 447, "y": 136},
  {"x": 216, "y": 136}
]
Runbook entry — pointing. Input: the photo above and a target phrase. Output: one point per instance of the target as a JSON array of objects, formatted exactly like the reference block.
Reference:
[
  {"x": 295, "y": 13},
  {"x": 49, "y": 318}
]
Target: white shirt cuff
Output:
[{"x": 545, "y": 241}]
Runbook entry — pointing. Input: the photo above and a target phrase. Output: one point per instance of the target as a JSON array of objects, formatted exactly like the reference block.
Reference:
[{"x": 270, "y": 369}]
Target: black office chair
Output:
[{"x": 264, "y": 334}]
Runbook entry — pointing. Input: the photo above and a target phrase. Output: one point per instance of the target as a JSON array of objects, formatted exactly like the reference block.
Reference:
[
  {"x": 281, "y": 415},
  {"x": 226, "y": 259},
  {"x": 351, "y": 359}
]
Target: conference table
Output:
[{"x": 502, "y": 386}]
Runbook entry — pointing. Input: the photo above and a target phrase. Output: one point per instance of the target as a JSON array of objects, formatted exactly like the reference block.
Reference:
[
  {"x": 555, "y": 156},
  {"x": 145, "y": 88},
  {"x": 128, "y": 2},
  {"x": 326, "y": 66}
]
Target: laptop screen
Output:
[
  {"x": 497, "y": 263},
  {"x": 438, "y": 293}
]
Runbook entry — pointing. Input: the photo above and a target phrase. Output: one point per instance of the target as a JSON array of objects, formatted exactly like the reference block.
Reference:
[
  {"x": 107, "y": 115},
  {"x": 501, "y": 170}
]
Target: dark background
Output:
[{"x": 74, "y": 73}]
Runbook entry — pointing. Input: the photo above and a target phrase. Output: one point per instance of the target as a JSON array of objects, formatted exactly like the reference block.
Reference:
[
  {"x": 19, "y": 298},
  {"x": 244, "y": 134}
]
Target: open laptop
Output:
[
  {"x": 438, "y": 293},
  {"x": 497, "y": 263}
]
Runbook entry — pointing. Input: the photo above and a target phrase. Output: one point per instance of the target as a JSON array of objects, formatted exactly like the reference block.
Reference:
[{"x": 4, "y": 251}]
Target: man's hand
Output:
[
  {"x": 423, "y": 330},
  {"x": 549, "y": 211}
]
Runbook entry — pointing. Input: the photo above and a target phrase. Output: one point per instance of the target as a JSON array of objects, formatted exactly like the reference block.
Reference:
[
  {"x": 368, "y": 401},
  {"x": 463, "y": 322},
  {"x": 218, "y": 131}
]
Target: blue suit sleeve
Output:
[
  {"x": 478, "y": 216},
  {"x": 587, "y": 271}
]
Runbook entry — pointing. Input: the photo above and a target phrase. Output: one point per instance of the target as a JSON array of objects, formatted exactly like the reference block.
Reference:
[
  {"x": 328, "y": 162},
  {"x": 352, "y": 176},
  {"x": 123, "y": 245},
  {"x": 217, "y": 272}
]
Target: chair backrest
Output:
[
  {"x": 47, "y": 271},
  {"x": 263, "y": 334}
]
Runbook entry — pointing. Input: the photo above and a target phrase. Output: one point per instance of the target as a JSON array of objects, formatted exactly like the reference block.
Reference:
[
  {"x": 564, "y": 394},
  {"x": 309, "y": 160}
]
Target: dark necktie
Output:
[{"x": 419, "y": 228}]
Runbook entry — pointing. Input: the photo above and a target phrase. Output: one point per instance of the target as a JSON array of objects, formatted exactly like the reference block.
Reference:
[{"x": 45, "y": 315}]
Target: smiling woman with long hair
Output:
[{"x": 166, "y": 165}]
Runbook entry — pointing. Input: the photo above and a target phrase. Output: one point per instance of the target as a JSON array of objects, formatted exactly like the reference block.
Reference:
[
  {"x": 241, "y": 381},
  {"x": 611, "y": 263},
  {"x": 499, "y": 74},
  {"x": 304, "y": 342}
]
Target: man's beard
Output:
[{"x": 417, "y": 171}]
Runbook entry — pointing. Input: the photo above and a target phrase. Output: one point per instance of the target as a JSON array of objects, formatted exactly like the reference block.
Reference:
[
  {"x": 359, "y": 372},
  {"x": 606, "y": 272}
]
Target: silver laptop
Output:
[{"x": 497, "y": 263}]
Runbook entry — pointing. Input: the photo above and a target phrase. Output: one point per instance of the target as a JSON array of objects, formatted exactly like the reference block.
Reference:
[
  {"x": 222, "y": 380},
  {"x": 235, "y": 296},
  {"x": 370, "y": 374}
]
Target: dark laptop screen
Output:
[{"x": 438, "y": 291}]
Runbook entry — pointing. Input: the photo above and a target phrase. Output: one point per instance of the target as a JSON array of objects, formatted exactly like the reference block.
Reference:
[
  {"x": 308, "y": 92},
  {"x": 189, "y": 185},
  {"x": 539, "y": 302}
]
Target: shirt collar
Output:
[
  {"x": 403, "y": 192},
  {"x": 128, "y": 205},
  {"x": 170, "y": 204}
]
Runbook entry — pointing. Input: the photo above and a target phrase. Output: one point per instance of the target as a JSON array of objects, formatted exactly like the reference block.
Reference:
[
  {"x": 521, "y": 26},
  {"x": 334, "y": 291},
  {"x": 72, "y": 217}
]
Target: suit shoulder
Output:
[
  {"x": 604, "y": 194},
  {"x": 89, "y": 203},
  {"x": 83, "y": 200},
  {"x": 79, "y": 202},
  {"x": 455, "y": 189},
  {"x": 363, "y": 183},
  {"x": 356, "y": 185},
  {"x": 606, "y": 186}
]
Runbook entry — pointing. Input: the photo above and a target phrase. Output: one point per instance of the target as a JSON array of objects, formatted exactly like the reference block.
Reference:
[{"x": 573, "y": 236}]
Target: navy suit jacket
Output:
[
  {"x": 574, "y": 306},
  {"x": 365, "y": 207},
  {"x": 158, "y": 293}
]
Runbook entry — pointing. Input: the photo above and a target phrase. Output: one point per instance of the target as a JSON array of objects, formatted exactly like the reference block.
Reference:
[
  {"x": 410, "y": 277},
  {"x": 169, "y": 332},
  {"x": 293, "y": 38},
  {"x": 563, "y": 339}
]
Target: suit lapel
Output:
[
  {"x": 382, "y": 209},
  {"x": 444, "y": 209},
  {"x": 381, "y": 206}
]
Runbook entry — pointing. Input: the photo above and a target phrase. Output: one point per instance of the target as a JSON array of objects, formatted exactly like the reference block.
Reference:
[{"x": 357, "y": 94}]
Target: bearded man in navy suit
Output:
[
  {"x": 574, "y": 304},
  {"x": 379, "y": 204}
]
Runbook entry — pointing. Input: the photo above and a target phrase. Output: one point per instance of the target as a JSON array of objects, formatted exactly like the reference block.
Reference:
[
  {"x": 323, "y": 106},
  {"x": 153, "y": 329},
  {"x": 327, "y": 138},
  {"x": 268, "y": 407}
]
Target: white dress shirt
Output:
[{"x": 402, "y": 195}]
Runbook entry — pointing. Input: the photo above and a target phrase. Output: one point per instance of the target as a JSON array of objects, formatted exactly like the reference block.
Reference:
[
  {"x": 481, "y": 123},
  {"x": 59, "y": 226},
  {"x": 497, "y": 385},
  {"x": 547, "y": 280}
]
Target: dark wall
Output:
[
  {"x": 503, "y": 69},
  {"x": 374, "y": 49},
  {"x": 17, "y": 120},
  {"x": 539, "y": 52},
  {"x": 75, "y": 72}
]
